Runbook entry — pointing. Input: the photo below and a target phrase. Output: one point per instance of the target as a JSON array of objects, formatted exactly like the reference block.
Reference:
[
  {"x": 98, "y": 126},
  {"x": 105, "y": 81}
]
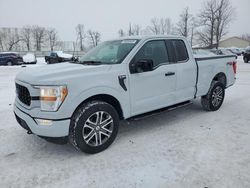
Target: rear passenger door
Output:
[
  {"x": 154, "y": 89},
  {"x": 186, "y": 70}
]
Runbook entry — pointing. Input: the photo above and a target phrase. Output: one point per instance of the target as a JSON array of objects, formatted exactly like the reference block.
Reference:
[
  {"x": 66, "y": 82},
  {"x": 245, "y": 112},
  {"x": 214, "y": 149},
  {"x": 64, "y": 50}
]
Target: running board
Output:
[{"x": 167, "y": 109}]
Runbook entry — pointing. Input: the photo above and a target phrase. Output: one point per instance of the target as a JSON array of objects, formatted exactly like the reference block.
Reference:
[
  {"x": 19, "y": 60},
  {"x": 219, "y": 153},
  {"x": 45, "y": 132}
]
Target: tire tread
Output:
[{"x": 205, "y": 100}]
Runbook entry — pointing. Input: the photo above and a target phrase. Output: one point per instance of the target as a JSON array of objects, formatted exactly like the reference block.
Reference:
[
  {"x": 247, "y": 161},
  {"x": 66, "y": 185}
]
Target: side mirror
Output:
[{"x": 142, "y": 65}]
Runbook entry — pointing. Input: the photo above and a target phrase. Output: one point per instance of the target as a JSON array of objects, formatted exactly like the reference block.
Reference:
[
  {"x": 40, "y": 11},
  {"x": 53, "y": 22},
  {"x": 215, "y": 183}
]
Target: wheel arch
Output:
[
  {"x": 9, "y": 60},
  {"x": 221, "y": 77},
  {"x": 106, "y": 98}
]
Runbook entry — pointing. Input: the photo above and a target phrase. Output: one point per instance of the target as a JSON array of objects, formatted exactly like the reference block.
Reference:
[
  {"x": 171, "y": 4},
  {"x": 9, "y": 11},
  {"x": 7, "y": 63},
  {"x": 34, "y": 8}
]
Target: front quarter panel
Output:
[{"x": 107, "y": 83}]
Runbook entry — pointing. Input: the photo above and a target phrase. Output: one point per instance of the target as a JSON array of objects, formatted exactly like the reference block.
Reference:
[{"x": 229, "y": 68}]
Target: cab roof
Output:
[{"x": 147, "y": 37}]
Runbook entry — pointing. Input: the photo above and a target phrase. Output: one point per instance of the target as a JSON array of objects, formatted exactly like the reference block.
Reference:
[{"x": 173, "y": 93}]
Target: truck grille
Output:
[{"x": 23, "y": 94}]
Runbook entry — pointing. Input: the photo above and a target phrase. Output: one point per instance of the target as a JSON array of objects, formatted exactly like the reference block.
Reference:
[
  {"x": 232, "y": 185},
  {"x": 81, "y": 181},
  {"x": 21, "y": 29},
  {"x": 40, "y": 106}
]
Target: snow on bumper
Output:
[{"x": 58, "y": 128}]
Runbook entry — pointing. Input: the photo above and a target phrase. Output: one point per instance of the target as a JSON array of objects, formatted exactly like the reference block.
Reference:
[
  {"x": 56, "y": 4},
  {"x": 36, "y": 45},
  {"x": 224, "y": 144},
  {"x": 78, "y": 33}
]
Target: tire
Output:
[
  {"x": 91, "y": 134},
  {"x": 9, "y": 63},
  {"x": 214, "y": 98},
  {"x": 246, "y": 60}
]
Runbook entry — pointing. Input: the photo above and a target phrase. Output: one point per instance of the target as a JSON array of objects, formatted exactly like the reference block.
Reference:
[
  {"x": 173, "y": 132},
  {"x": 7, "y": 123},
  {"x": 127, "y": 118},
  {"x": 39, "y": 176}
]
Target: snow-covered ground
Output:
[{"x": 187, "y": 147}]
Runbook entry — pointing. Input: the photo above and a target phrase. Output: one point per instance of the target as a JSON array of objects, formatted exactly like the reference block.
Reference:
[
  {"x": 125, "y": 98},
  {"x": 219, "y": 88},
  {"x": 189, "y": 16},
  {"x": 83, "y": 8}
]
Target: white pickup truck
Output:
[{"x": 83, "y": 101}]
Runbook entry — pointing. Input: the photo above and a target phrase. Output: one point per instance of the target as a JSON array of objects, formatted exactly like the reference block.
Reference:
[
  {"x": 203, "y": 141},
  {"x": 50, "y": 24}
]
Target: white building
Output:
[{"x": 234, "y": 42}]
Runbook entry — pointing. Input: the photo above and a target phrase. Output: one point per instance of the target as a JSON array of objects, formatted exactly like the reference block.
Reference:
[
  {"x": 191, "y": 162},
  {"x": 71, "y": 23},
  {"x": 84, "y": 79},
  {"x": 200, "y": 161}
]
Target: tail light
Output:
[{"x": 235, "y": 67}]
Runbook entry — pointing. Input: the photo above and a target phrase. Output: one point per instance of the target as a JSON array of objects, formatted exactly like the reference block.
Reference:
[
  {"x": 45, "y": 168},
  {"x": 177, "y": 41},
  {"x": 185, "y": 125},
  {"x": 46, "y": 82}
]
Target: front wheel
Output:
[
  {"x": 214, "y": 98},
  {"x": 94, "y": 127},
  {"x": 245, "y": 60}
]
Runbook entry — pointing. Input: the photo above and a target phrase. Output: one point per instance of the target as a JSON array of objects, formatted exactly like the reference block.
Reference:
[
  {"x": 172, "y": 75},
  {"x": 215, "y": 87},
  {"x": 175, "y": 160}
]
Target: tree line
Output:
[
  {"x": 38, "y": 38},
  {"x": 207, "y": 29}
]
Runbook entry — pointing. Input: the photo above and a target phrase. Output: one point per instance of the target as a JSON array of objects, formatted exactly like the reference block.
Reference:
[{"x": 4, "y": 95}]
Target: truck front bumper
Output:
[{"x": 57, "y": 128}]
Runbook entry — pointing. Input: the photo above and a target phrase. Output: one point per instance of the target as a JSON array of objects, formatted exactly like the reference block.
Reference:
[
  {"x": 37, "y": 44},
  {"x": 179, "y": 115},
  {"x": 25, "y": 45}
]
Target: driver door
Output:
[{"x": 153, "y": 89}]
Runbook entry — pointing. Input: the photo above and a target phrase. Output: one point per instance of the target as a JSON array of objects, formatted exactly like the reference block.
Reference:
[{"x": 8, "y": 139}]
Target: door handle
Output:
[{"x": 169, "y": 73}]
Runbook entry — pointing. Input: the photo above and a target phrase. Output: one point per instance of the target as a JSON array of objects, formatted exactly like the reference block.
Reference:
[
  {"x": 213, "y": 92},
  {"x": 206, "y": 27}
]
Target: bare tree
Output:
[
  {"x": 160, "y": 26},
  {"x": 39, "y": 36},
  {"x": 193, "y": 26},
  {"x": 184, "y": 24},
  {"x": 154, "y": 28},
  {"x": 208, "y": 20},
  {"x": 94, "y": 37},
  {"x": 80, "y": 35},
  {"x": 121, "y": 33},
  {"x": 224, "y": 15},
  {"x": 12, "y": 38},
  {"x": 26, "y": 35},
  {"x": 246, "y": 36},
  {"x": 165, "y": 26},
  {"x": 130, "y": 30},
  {"x": 9, "y": 39},
  {"x": 52, "y": 38},
  {"x": 2, "y": 37},
  {"x": 136, "y": 29},
  {"x": 215, "y": 17}
]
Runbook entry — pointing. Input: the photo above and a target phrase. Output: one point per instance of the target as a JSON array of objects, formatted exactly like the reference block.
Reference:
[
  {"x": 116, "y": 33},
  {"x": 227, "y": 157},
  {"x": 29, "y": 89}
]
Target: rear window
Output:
[{"x": 180, "y": 50}]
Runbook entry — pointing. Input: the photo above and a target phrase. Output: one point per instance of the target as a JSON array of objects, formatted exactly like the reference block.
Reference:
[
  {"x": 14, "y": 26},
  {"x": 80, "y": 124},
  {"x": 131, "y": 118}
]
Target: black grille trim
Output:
[
  {"x": 23, "y": 94},
  {"x": 22, "y": 123}
]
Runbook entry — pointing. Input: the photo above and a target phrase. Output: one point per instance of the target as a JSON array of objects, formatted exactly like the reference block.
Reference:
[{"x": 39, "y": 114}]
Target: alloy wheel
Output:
[
  {"x": 217, "y": 96},
  {"x": 98, "y": 128}
]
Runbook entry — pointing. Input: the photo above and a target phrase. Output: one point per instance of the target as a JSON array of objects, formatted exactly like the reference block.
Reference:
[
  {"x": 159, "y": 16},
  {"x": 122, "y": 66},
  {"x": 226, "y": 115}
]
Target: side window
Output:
[
  {"x": 53, "y": 54},
  {"x": 180, "y": 50},
  {"x": 155, "y": 50}
]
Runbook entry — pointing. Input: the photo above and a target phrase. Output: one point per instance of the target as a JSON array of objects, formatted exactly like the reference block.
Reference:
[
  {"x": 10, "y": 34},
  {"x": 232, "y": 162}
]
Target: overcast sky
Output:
[{"x": 105, "y": 16}]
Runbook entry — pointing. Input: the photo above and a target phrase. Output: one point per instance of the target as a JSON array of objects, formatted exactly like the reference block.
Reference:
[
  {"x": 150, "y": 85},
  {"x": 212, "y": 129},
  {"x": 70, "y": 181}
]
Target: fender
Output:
[{"x": 122, "y": 98}]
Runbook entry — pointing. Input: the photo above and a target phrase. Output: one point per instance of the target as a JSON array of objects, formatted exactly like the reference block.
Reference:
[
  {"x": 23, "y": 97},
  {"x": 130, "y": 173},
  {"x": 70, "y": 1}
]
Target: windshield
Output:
[{"x": 110, "y": 52}]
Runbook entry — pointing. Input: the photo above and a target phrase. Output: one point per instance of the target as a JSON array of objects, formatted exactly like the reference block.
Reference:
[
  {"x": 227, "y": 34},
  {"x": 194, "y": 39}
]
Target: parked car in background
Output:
[
  {"x": 203, "y": 52},
  {"x": 222, "y": 51},
  {"x": 246, "y": 55},
  {"x": 235, "y": 51},
  {"x": 10, "y": 58},
  {"x": 243, "y": 50},
  {"x": 29, "y": 58},
  {"x": 58, "y": 57}
]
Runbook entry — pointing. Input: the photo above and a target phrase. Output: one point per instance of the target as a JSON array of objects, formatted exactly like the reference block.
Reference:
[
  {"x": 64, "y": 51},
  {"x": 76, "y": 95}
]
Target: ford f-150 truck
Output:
[{"x": 119, "y": 79}]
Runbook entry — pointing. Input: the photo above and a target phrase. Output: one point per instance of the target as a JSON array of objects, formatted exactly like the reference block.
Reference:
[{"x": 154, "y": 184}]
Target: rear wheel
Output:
[
  {"x": 245, "y": 60},
  {"x": 94, "y": 127},
  {"x": 214, "y": 98}
]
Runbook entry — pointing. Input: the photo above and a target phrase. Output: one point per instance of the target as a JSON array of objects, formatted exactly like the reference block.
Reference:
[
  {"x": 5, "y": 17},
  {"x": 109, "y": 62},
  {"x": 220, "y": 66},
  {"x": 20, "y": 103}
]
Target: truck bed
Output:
[{"x": 207, "y": 67}]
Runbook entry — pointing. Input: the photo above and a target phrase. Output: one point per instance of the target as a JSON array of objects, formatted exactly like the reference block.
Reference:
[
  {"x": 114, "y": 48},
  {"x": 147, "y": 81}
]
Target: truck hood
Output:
[{"x": 55, "y": 74}]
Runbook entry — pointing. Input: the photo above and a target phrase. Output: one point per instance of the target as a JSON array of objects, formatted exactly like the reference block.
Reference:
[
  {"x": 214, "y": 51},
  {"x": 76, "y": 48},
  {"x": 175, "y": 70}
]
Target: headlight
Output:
[{"x": 52, "y": 97}]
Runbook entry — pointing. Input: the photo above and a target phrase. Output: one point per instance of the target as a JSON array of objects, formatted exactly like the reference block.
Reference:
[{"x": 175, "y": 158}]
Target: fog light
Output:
[{"x": 45, "y": 122}]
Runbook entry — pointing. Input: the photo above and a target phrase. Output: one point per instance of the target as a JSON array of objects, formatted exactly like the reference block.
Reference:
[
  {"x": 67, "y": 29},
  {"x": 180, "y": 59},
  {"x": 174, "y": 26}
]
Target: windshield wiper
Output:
[{"x": 90, "y": 62}]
